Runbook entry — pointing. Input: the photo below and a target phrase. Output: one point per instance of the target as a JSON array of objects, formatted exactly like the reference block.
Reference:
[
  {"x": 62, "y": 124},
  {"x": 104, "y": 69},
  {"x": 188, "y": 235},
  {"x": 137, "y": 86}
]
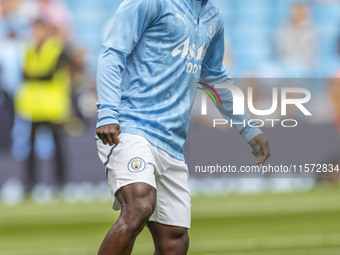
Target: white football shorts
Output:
[{"x": 133, "y": 160}]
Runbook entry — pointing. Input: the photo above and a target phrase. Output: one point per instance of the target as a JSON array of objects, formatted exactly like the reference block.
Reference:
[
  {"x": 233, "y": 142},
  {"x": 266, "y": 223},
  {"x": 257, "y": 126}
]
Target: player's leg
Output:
[
  {"x": 172, "y": 216},
  {"x": 137, "y": 204},
  {"x": 130, "y": 170},
  {"x": 169, "y": 240}
]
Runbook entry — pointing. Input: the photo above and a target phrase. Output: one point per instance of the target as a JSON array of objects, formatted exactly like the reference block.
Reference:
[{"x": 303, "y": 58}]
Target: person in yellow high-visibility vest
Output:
[{"x": 44, "y": 99}]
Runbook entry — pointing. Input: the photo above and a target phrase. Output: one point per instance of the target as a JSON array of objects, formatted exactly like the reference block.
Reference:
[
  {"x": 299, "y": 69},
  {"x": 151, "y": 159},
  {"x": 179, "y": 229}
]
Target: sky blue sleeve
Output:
[
  {"x": 213, "y": 72},
  {"x": 121, "y": 36}
]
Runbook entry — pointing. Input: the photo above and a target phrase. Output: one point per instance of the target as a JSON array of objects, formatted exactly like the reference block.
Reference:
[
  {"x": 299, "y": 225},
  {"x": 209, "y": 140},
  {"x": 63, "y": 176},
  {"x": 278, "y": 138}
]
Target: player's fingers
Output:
[
  {"x": 104, "y": 140},
  {"x": 114, "y": 137},
  {"x": 101, "y": 136},
  {"x": 266, "y": 153},
  {"x": 256, "y": 150},
  {"x": 262, "y": 160},
  {"x": 256, "y": 154},
  {"x": 116, "y": 140},
  {"x": 109, "y": 138},
  {"x": 262, "y": 150}
]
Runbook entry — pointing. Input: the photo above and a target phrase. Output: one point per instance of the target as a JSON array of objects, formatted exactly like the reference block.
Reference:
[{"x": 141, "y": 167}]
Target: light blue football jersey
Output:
[{"x": 153, "y": 51}]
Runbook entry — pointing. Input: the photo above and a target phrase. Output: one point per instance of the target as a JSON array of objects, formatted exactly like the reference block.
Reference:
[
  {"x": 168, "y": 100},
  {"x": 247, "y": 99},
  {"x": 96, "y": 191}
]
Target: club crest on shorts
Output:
[{"x": 136, "y": 165}]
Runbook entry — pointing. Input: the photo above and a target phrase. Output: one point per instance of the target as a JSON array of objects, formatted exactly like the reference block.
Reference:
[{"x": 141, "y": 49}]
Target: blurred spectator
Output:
[
  {"x": 297, "y": 42},
  {"x": 7, "y": 118},
  {"x": 10, "y": 62},
  {"x": 56, "y": 13},
  {"x": 13, "y": 29},
  {"x": 10, "y": 80},
  {"x": 7, "y": 10},
  {"x": 44, "y": 98},
  {"x": 12, "y": 18}
]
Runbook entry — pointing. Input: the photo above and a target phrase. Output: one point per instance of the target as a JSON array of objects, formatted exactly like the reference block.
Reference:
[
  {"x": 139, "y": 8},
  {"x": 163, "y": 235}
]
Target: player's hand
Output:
[
  {"x": 261, "y": 149},
  {"x": 109, "y": 134}
]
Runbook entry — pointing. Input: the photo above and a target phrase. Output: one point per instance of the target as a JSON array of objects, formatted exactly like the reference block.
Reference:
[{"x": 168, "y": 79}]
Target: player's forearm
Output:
[
  {"x": 248, "y": 127},
  {"x": 111, "y": 64},
  {"x": 243, "y": 123}
]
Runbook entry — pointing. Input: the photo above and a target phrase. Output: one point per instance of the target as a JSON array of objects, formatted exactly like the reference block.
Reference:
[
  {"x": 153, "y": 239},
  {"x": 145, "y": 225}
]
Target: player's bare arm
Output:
[
  {"x": 261, "y": 148},
  {"x": 109, "y": 134}
]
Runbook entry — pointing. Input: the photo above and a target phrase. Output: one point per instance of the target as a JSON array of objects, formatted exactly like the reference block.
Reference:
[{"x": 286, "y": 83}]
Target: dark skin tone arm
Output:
[
  {"x": 260, "y": 144},
  {"x": 109, "y": 134}
]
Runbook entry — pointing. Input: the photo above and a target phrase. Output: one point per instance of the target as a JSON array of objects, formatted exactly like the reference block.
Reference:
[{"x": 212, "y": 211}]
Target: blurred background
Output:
[{"x": 54, "y": 198}]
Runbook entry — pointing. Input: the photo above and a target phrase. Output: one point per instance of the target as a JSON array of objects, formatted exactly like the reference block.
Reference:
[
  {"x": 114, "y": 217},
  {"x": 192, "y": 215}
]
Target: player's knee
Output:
[
  {"x": 183, "y": 242},
  {"x": 138, "y": 203},
  {"x": 136, "y": 215},
  {"x": 143, "y": 210},
  {"x": 175, "y": 244}
]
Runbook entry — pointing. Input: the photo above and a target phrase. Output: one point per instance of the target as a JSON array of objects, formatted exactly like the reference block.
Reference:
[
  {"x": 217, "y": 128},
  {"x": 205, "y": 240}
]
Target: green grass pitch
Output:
[{"x": 305, "y": 223}]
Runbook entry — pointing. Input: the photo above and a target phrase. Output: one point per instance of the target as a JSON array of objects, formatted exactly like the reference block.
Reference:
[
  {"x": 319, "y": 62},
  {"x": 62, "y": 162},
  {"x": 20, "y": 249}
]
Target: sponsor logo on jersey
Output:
[{"x": 190, "y": 51}]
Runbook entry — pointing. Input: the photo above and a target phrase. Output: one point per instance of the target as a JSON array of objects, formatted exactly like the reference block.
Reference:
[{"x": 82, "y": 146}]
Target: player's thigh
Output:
[
  {"x": 130, "y": 162},
  {"x": 137, "y": 197}
]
